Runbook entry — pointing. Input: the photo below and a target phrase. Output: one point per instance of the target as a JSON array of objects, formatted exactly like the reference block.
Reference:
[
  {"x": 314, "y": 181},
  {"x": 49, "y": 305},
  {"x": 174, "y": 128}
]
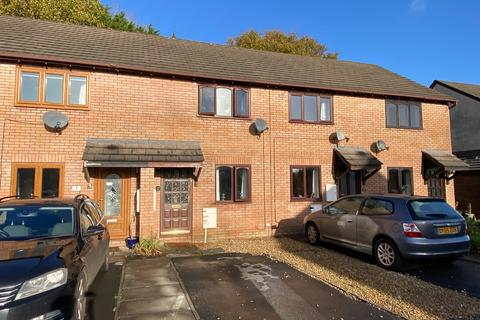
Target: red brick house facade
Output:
[{"x": 260, "y": 184}]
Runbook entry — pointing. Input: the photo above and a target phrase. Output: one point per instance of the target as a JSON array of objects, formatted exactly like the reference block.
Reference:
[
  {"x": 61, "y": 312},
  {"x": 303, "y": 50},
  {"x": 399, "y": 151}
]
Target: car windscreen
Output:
[
  {"x": 35, "y": 221},
  {"x": 431, "y": 209}
]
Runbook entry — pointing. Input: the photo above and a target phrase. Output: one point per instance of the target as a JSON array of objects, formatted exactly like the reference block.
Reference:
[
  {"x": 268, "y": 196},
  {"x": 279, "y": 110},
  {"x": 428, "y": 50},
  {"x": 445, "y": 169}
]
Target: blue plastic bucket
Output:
[{"x": 131, "y": 242}]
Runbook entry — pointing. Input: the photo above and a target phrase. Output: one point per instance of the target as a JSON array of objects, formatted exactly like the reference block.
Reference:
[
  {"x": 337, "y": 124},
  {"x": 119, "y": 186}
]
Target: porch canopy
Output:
[
  {"x": 355, "y": 158},
  {"x": 442, "y": 164},
  {"x": 132, "y": 153}
]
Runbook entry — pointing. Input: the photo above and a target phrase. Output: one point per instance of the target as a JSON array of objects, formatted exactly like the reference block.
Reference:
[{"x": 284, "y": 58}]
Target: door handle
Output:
[{"x": 349, "y": 221}]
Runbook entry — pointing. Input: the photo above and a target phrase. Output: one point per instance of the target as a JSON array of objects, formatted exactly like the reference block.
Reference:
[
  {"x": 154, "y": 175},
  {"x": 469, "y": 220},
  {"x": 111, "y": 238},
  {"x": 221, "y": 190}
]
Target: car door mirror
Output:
[{"x": 95, "y": 230}]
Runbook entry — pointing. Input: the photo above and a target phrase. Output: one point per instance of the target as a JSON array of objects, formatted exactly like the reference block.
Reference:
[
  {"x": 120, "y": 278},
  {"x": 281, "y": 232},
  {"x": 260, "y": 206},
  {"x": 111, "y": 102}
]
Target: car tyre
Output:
[
  {"x": 387, "y": 254},
  {"x": 312, "y": 233},
  {"x": 80, "y": 297}
]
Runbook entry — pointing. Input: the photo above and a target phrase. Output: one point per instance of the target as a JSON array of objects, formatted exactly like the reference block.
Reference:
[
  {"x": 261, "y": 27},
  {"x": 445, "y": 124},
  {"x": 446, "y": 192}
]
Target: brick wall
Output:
[{"x": 126, "y": 106}]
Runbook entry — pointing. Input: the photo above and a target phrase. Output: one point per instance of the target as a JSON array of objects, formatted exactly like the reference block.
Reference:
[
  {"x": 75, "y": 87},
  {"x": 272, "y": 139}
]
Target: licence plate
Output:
[{"x": 447, "y": 230}]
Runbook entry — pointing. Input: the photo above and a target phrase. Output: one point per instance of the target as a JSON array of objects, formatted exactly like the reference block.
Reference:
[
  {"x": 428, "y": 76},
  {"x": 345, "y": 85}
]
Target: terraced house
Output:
[{"x": 161, "y": 131}]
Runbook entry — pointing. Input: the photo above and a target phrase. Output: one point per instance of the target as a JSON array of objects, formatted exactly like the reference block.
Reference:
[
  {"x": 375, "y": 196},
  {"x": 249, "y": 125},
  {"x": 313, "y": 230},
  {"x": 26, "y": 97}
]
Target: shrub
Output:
[
  {"x": 148, "y": 247},
  {"x": 474, "y": 233}
]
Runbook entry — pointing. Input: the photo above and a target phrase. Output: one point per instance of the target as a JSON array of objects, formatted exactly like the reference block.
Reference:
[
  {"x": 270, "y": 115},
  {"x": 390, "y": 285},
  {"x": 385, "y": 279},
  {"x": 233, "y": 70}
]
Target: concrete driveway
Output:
[{"x": 239, "y": 286}]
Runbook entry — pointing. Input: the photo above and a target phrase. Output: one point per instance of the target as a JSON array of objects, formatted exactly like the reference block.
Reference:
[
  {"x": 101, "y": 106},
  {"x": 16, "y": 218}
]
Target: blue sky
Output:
[{"x": 420, "y": 39}]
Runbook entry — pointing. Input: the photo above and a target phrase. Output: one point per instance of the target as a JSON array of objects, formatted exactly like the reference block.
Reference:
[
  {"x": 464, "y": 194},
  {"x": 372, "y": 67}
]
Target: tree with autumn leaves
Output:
[
  {"x": 281, "y": 42},
  {"x": 84, "y": 12}
]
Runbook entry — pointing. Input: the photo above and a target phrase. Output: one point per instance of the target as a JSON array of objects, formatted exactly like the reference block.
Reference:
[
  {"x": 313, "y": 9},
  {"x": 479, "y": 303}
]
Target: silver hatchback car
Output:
[{"x": 392, "y": 228}]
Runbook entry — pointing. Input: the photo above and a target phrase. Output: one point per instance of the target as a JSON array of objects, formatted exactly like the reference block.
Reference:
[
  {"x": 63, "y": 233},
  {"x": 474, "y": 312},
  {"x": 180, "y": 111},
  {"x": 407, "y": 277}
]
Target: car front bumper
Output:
[
  {"x": 51, "y": 305},
  {"x": 423, "y": 248}
]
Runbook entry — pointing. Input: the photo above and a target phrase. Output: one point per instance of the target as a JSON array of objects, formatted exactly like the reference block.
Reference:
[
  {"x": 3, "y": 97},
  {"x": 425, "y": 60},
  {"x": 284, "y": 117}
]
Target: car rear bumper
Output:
[
  {"x": 418, "y": 248},
  {"x": 52, "y": 305}
]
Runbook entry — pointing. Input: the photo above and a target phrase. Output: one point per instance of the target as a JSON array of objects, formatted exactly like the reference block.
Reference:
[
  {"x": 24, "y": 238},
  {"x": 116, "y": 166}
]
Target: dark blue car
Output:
[{"x": 51, "y": 250}]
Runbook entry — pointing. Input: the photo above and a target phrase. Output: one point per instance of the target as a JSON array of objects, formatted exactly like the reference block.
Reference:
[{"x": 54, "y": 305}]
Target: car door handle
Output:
[{"x": 349, "y": 221}]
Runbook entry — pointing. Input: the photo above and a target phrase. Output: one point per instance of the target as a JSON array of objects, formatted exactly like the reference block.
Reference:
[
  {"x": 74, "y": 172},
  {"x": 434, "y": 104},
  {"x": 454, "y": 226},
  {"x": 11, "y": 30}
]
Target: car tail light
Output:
[{"x": 411, "y": 230}]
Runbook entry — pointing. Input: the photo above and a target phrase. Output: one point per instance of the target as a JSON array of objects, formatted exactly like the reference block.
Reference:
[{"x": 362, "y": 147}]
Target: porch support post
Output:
[{"x": 149, "y": 218}]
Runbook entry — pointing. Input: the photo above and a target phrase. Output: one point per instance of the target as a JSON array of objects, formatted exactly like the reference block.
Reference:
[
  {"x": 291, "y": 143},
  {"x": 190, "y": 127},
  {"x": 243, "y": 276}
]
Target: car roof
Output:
[
  {"x": 67, "y": 201},
  {"x": 405, "y": 197}
]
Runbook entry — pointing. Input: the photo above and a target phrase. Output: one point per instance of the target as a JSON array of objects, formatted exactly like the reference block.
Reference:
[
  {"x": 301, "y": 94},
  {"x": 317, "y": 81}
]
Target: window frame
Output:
[
  {"x": 37, "y": 185},
  {"x": 319, "y": 108},
  {"x": 409, "y": 104},
  {"x": 305, "y": 167},
  {"x": 400, "y": 179},
  {"x": 43, "y": 71},
  {"x": 233, "y": 179},
  {"x": 234, "y": 105}
]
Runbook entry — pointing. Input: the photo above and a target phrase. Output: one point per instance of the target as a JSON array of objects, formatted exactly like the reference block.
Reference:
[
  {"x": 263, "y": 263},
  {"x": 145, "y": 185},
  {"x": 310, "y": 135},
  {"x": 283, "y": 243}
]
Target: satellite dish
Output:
[
  {"x": 55, "y": 121},
  {"x": 380, "y": 145},
  {"x": 260, "y": 125},
  {"x": 340, "y": 136}
]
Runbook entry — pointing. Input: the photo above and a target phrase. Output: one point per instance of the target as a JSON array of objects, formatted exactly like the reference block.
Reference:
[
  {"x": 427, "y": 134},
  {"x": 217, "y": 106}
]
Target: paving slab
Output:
[
  {"x": 241, "y": 286},
  {"x": 151, "y": 290}
]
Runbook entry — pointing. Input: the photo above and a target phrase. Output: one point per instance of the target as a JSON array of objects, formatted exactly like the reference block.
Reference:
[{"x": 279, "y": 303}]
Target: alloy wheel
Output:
[
  {"x": 386, "y": 254},
  {"x": 312, "y": 234}
]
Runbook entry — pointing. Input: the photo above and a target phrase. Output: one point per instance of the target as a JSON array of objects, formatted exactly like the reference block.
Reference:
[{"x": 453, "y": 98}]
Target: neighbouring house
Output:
[
  {"x": 165, "y": 132},
  {"x": 465, "y": 130}
]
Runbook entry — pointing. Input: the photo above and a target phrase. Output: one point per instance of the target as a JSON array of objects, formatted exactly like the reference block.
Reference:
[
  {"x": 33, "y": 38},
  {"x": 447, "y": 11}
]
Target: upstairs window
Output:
[
  {"x": 232, "y": 183},
  {"x": 48, "y": 87},
  {"x": 223, "y": 101},
  {"x": 401, "y": 114},
  {"x": 310, "y": 108},
  {"x": 305, "y": 183},
  {"x": 400, "y": 180}
]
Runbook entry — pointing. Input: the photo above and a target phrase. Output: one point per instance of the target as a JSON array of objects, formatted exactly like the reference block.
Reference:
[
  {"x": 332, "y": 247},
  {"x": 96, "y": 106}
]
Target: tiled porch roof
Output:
[{"x": 141, "y": 152}]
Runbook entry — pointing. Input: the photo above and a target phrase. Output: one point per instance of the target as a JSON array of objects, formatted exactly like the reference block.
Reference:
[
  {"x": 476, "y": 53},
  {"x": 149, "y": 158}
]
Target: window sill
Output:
[
  {"x": 223, "y": 117},
  {"x": 404, "y": 128},
  {"x": 311, "y": 122},
  {"x": 50, "y": 106},
  {"x": 231, "y": 202},
  {"x": 305, "y": 200}
]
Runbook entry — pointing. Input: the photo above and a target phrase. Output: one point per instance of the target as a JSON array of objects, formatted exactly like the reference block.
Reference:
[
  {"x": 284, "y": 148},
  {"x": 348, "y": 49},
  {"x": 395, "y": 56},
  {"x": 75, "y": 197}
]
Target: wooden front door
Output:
[
  {"x": 112, "y": 191},
  {"x": 176, "y": 215}
]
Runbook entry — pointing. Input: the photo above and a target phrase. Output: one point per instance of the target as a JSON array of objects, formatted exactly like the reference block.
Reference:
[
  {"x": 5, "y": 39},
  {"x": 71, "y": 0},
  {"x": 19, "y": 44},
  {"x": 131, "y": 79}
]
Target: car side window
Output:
[
  {"x": 86, "y": 219},
  {"x": 375, "y": 207},
  {"x": 345, "y": 206}
]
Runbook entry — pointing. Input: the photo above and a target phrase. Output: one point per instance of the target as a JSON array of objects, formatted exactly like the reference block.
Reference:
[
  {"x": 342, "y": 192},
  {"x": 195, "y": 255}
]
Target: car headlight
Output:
[{"x": 45, "y": 282}]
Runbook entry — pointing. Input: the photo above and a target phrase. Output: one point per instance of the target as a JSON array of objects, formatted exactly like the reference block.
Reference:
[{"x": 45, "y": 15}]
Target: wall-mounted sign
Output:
[{"x": 209, "y": 218}]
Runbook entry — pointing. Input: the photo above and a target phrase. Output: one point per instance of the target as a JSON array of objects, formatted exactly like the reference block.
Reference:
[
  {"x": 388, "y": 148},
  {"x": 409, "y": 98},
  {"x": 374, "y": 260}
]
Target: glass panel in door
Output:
[{"x": 113, "y": 195}]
